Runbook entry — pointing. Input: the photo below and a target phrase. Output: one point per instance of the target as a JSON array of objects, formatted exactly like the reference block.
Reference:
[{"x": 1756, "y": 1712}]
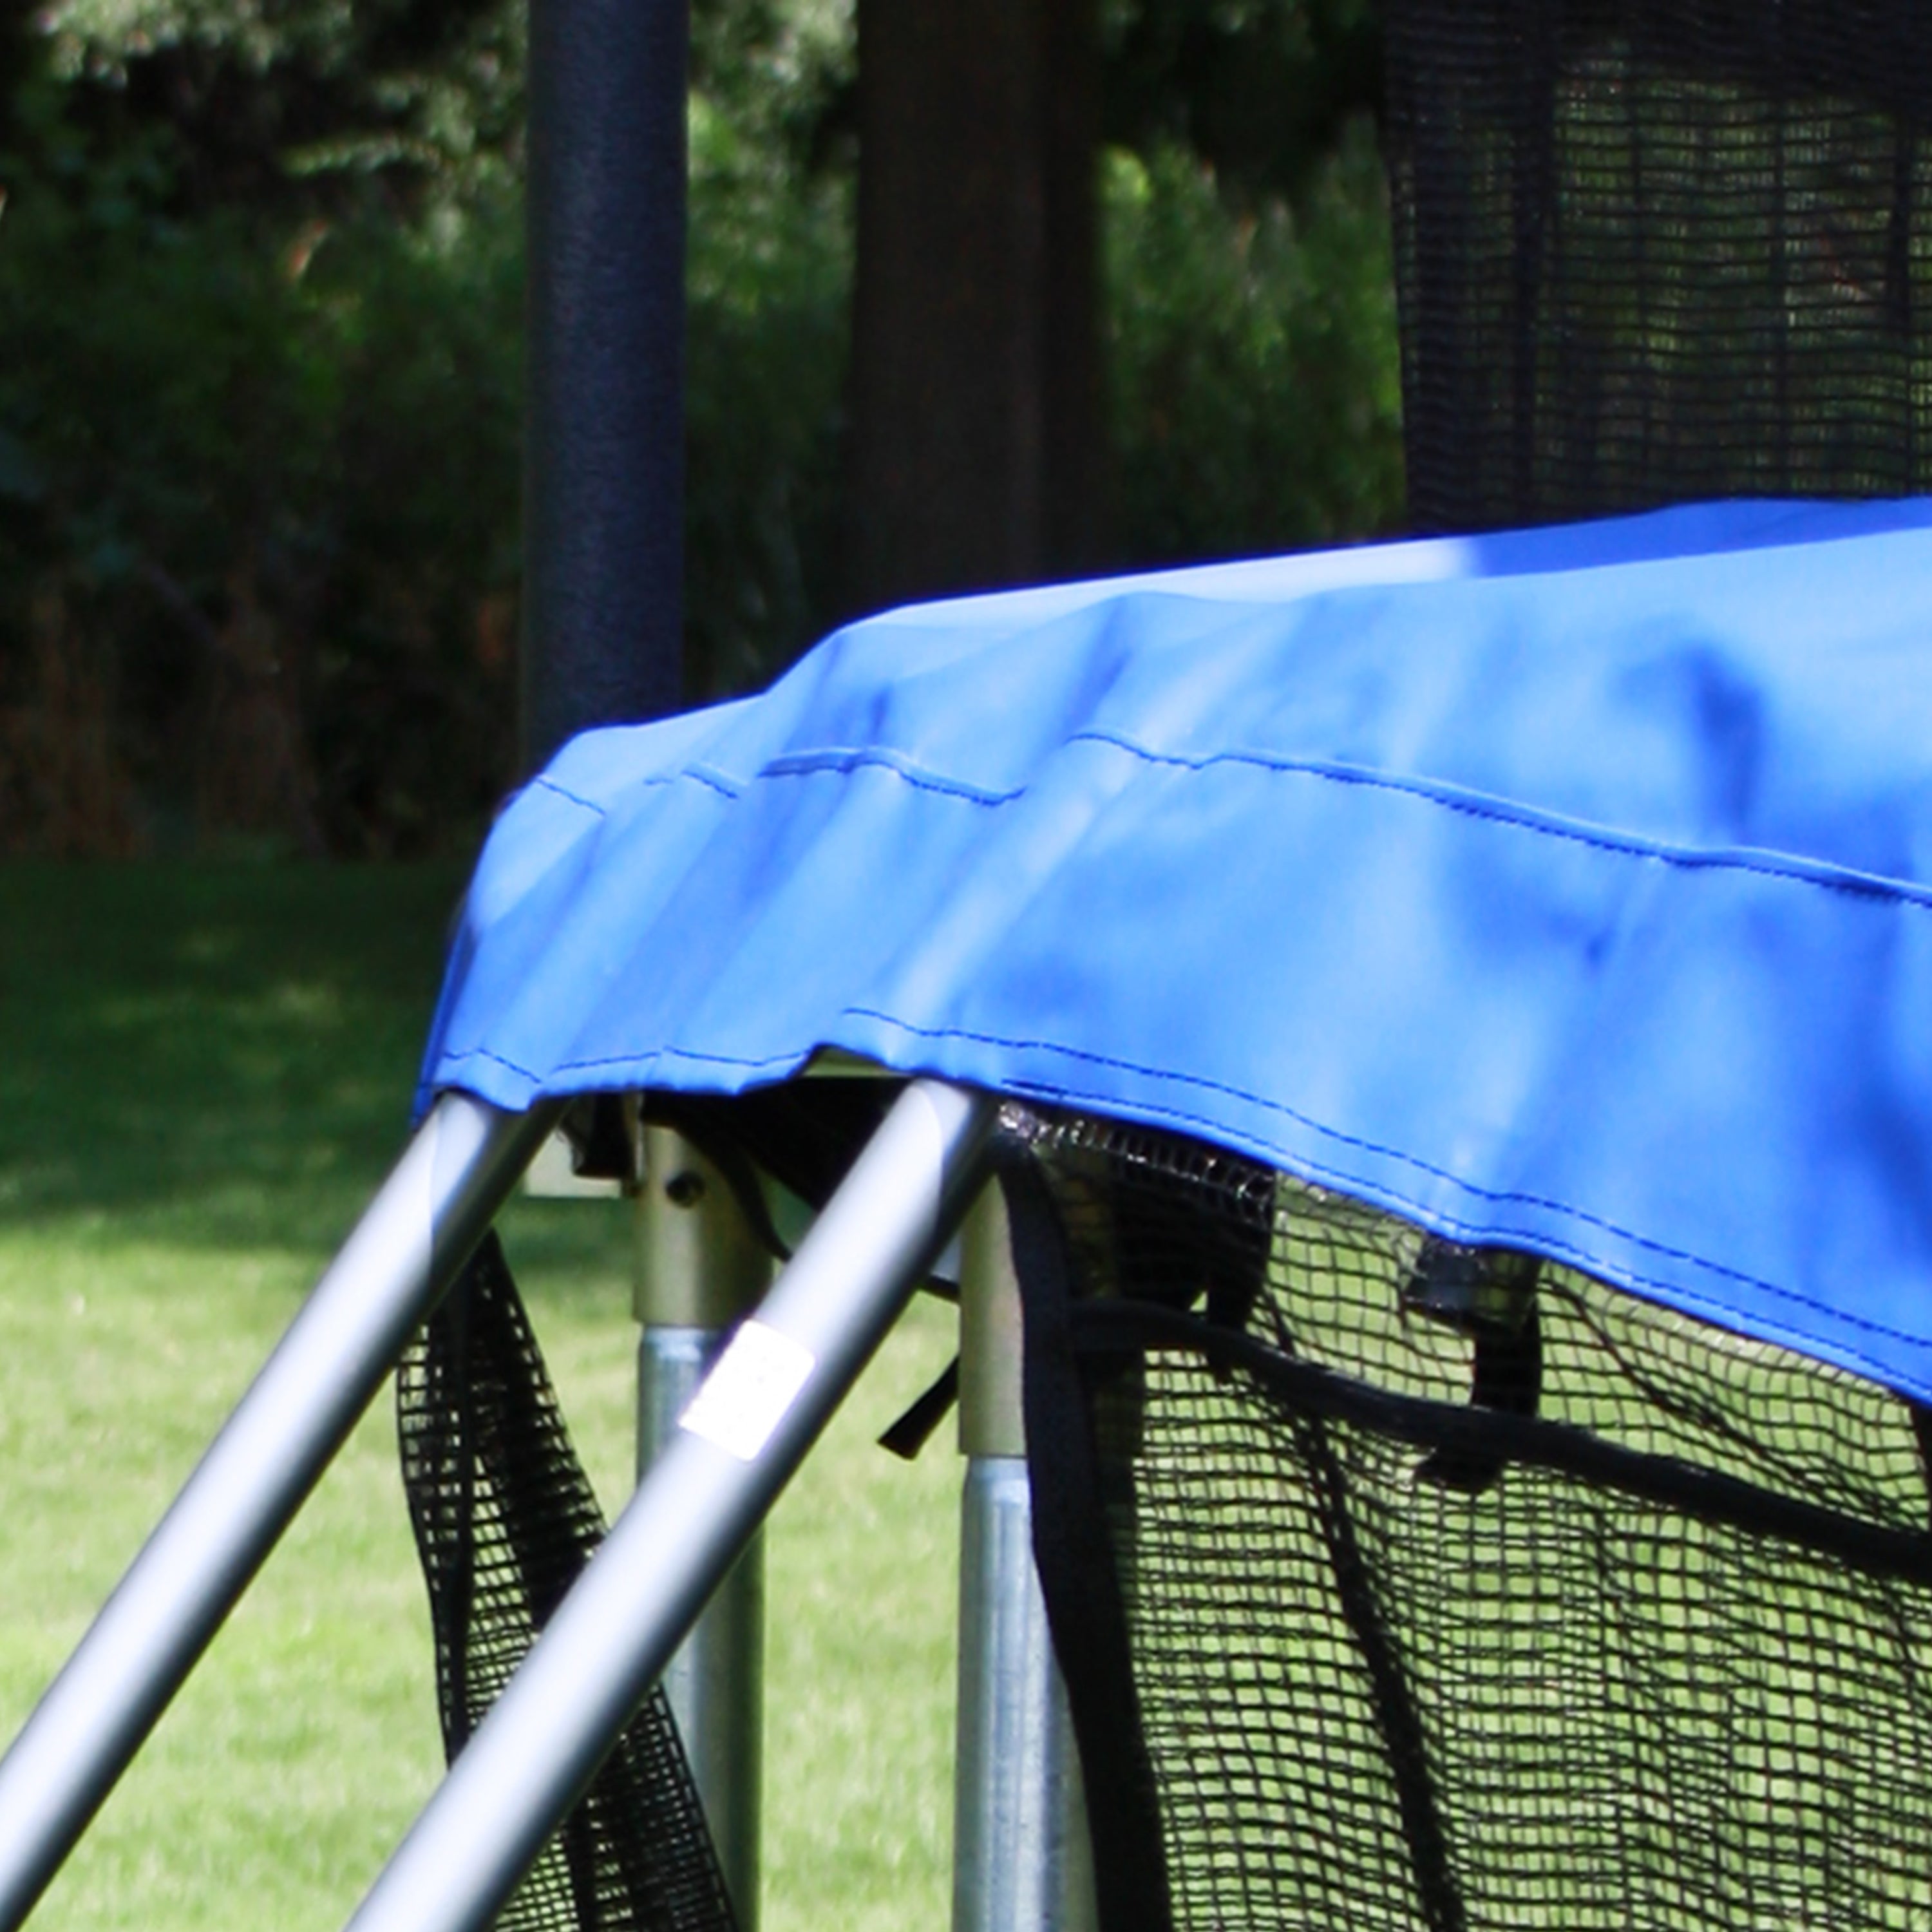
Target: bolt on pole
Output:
[{"x": 699, "y": 1269}]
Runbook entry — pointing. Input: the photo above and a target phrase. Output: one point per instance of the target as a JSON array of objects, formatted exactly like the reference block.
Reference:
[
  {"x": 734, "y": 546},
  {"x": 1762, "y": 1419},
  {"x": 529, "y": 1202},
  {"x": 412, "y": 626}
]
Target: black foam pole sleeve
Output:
[{"x": 604, "y": 430}]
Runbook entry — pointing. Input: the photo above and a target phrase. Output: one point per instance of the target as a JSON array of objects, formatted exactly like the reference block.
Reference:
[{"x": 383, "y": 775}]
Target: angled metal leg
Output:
[
  {"x": 772, "y": 1391},
  {"x": 416, "y": 1233}
]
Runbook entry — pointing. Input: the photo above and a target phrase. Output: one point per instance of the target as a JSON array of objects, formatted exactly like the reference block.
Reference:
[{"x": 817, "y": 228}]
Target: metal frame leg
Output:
[
  {"x": 416, "y": 1233},
  {"x": 1023, "y": 1858},
  {"x": 699, "y": 1269},
  {"x": 761, "y": 1408}
]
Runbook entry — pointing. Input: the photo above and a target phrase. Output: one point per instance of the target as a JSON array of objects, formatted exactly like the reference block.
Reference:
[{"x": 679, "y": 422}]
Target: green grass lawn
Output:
[{"x": 204, "y": 1069}]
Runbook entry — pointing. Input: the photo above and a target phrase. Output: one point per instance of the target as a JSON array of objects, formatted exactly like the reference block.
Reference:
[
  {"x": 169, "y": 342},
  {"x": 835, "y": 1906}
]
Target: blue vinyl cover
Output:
[{"x": 1570, "y": 890}]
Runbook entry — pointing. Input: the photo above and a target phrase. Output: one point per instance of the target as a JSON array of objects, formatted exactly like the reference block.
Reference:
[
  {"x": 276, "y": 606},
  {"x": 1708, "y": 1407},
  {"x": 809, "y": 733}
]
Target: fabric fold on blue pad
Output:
[{"x": 1569, "y": 889}]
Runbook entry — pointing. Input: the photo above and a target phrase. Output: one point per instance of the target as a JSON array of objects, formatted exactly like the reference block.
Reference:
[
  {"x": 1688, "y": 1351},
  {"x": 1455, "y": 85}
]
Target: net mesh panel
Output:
[
  {"x": 1653, "y": 250},
  {"x": 505, "y": 1520},
  {"x": 1452, "y": 1590}
]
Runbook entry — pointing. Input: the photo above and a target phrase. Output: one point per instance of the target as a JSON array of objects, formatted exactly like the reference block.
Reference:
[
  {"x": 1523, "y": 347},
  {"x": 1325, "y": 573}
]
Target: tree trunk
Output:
[{"x": 975, "y": 452}]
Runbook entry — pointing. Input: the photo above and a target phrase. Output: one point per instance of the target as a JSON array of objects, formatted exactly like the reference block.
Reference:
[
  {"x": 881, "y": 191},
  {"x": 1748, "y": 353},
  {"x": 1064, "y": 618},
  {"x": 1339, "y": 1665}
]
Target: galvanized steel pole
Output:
[
  {"x": 699, "y": 1269},
  {"x": 1022, "y": 1856}
]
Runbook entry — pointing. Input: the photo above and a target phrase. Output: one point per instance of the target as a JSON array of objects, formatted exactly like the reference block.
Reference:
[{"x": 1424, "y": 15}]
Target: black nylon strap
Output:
[
  {"x": 1709, "y": 1495},
  {"x": 1397, "y": 1719},
  {"x": 1078, "y": 1580},
  {"x": 913, "y": 1429}
]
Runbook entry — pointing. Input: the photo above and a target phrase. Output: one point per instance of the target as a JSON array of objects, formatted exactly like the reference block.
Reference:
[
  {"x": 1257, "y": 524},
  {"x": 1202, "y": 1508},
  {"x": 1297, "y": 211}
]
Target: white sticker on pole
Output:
[{"x": 748, "y": 1389}]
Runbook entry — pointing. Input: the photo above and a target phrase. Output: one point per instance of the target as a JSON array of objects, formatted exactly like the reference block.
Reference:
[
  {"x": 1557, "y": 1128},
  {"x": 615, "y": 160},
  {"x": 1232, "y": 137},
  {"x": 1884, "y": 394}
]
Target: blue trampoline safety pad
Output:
[{"x": 1569, "y": 889}]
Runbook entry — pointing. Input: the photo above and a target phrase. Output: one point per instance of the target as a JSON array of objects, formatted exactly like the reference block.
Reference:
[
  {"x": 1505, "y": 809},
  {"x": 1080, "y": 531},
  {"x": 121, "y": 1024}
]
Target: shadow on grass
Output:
[{"x": 222, "y": 1054}]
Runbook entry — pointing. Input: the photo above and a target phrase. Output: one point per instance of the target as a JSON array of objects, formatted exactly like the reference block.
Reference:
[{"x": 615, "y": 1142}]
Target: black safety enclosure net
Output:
[
  {"x": 1401, "y": 1583},
  {"x": 505, "y": 1521},
  {"x": 1654, "y": 249}
]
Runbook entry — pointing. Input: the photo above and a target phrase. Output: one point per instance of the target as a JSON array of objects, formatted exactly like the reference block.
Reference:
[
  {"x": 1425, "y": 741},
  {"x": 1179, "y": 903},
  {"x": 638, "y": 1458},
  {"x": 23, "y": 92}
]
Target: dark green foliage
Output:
[
  {"x": 260, "y": 346},
  {"x": 1262, "y": 91},
  {"x": 1255, "y": 400},
  {"x": 257, "y": 511},
  {"x": 297, "y": 106},
  {"x": 259, "y": 312},
  {"x": 769, "y": 269},
  {"x": 1250, "y": 329}
]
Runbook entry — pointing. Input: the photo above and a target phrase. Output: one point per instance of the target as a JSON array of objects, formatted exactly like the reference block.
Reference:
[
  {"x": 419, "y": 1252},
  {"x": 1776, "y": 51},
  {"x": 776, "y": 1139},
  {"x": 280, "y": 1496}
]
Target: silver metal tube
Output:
[
  {"x": 715, "y": 1678},
  {"x": 759, "y": 1410},
  {"x": 699, "y": 1268},
  {"x": 1022, "y": 1858},
  {"x": 1022, "y": 1855},
  {"x": 415, "y": 1234}
]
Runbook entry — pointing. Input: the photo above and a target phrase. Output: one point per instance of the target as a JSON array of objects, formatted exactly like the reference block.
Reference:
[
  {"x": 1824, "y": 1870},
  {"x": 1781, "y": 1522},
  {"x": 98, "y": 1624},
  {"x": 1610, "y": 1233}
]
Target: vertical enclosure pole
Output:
[
  {"x": 404, "y": 1251},
  {"x": 699, "y": 1269},
  {"x": 603, "y": 637},
  {"x": 603, "y": 430},
  {"x": 1023, "y": 1859}
]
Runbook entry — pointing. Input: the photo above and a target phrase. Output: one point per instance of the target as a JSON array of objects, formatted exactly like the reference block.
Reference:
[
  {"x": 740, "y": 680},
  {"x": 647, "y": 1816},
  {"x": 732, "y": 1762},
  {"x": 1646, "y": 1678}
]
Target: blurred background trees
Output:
[{"x": 260, "y": 288}]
